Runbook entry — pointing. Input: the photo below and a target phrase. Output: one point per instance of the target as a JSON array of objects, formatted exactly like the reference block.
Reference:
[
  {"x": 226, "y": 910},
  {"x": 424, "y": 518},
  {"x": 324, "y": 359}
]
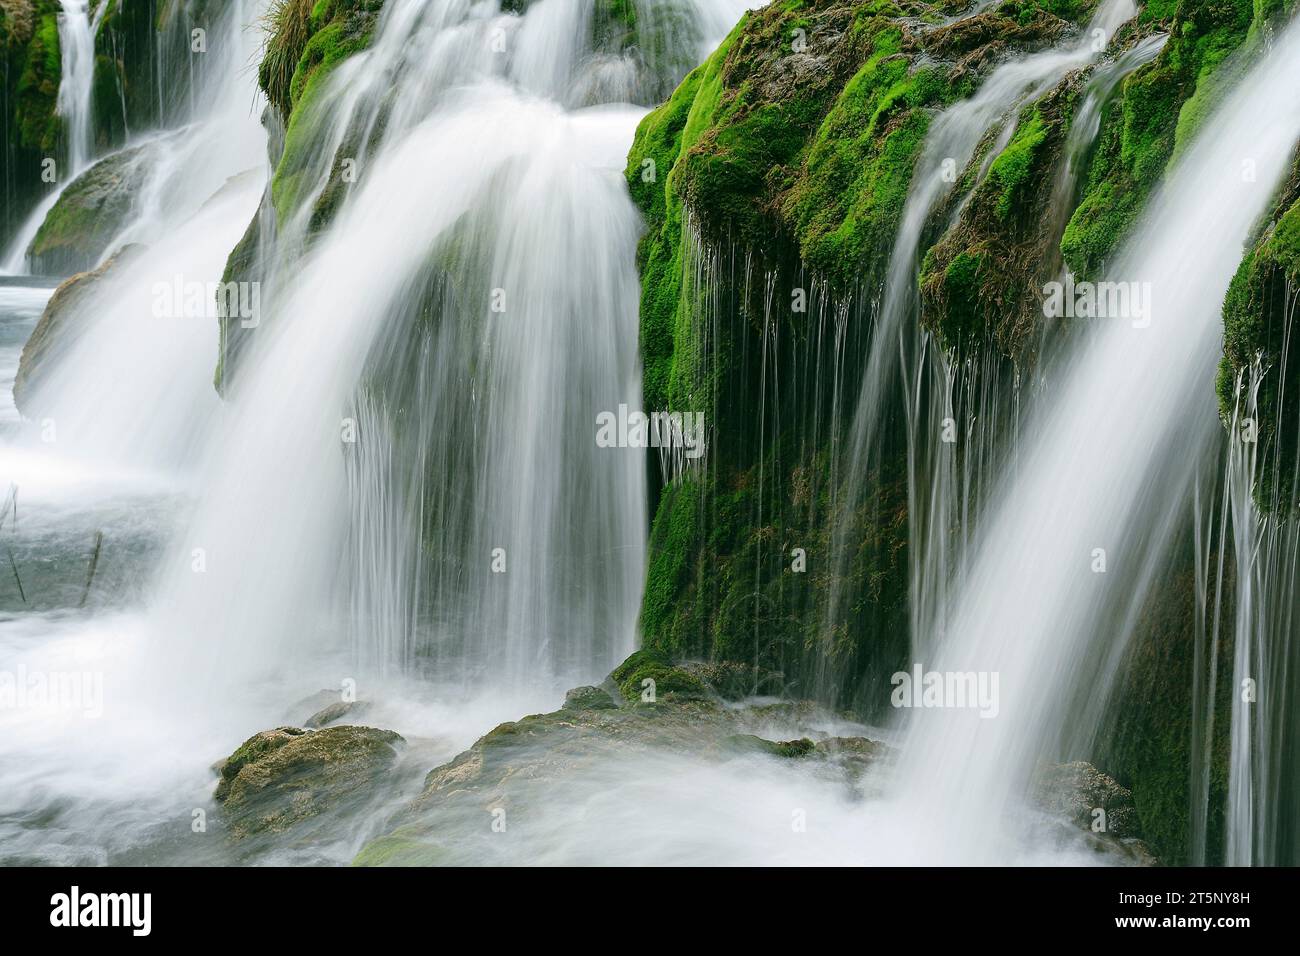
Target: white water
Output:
[
  {"x": 294, "y": 560},
  {"x": 77, "y": 46},
  {"x": 1106, "y": 464}
]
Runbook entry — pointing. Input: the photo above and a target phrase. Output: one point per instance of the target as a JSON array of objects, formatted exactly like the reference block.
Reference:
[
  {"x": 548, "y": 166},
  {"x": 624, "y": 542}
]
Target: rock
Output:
[
  {"x": 278, "y": 779},
  {"x": 92, "y": 212},
  {"x": 1076, "y": 791},
  {"x": 302, "y": 710},
  {"x": 749, "y": 743},
  {"x": 731, "y": 680},
  {"x": 669, "y": 681},
  {"x": 588, "y": 698},
  {"x": 544, "y": 765},
  {"x": 336, "y": 712},
  {"x": 57, "y": 324}
]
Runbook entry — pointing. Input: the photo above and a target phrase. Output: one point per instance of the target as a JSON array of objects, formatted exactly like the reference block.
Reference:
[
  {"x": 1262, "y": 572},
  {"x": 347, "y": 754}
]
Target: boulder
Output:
[
  {"x": 1077, "y": 791},
  {"x": 280, "y": 779},
  {"x": 92, "y": 212},
  {"x": 56, "y": 324}
]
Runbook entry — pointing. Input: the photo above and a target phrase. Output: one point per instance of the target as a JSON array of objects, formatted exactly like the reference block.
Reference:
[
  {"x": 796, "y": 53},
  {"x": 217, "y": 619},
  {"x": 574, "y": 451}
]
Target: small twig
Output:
[
  {"x": 17, "y": 580},
  {"x": 94, "y": 562}
]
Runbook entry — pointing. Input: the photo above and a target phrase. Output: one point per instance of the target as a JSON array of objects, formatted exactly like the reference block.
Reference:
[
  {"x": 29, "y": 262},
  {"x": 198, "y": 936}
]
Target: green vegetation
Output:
[
  {"x": 1258, "y": 315},
  {"x": 1159, "y": 109},
  {"x": 302, "y": 52},
  {"x": 29, "y": 85}
]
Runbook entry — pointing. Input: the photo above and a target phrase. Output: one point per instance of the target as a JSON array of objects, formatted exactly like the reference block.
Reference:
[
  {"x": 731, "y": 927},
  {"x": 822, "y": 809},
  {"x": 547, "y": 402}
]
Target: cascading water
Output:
[
  {"x": 104, "y": 454},
  {"x": 1261, "y": 821},
  {"x": 403, "y": 486},
  {"x": 77, "y": 43},
  {"x": 464, "y": 317},
  {"x": 1107, "y": 467},
  {"x": 952, "y": 142},
  {"x": 77, "y": 47}
]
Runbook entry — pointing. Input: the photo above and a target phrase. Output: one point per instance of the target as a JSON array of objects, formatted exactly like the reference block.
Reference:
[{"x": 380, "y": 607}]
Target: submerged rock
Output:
[{"x": 278, "y": 779}]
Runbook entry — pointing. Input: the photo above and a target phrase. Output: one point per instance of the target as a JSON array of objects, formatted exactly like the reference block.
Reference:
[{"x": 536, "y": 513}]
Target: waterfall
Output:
[
  {"x": 77, "y": 49},
  {"x": 1261, "y": 819},
  {"x": 77, "y": 46},
  {"x": 133, "y": 388},
  {"x": 1104, "y": 470},
  {"x": 452, "y": 336},
  {"x": 898, "y": 356}
]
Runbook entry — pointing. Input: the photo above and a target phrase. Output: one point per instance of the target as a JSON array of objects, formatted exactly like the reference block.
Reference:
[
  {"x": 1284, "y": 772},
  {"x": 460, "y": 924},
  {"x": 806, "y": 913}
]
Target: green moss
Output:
[
  {"x": 36, "y": 124},
  {"x": 614, "y": 25},
  {"x": 1013, "y": 166},
  {"x": 859, "y": 167},
  {"x": 1160, "y": 109},
  {"x": 1148, "y": 744},
  {"x": 795, "y": 161},
  {"x": 288, "y": 25},
  {"x": 1258, "y": 312},
  {"x": 335, "y": 30},
  {"x": 953, "y": 296},
  {"x": 403, "y": 847}
]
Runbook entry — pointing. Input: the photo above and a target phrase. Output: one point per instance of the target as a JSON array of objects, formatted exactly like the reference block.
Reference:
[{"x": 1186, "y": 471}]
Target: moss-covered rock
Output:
[
  {"x": 751, "y": 743},
  {"x": 94, "y": 209},
  {"x": 498, "y": 801},
  {"x": 1078, "y": 790},
  {"x": 648, "y": 675},
  {"x": 589, "y": 698},
  {"x": 1258, "y": 322},
  {"x": 279, "y": 779},
  {"x": 310, "y": 41},
  {"x": 772, "y": 182},
  {"x": 980, "y": 282},
  {"x": 1158, "y": 110}
]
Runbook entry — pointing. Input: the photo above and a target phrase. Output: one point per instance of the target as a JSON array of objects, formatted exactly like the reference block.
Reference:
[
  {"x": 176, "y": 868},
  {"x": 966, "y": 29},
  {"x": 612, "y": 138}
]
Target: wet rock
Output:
[
  {"x": 731, "y": 680},
  {"x": 92, "y": 212},
  {"x": 650, "y": 676},
  {"x": 589, "y": 698},
  {"x": 749, "y": 743},
  {"x": 336, "y": 712},
  {"x": 1086, "y": 797},
  {"x": 278, "y": 779},
  {"x": 57, "y": 326},
  {"x": 527, "y": 773}
]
